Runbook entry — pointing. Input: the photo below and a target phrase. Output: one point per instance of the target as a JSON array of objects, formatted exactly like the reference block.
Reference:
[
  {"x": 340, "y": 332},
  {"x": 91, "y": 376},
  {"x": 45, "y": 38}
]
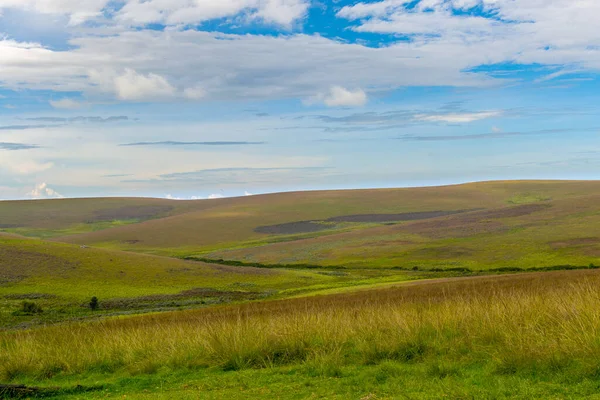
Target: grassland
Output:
[
  {"x": 519, "y": 336},
  {"x": 488, "y": 225},
  {"x": 369, "y": 294},
  {"x": 62, "y": 278}
]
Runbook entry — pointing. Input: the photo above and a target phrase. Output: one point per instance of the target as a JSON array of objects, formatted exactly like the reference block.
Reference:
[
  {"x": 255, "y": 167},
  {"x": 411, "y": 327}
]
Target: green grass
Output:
[
  {"x": 520, "y": 336},
  {"x": 364, "y": 310},
  {"x": 74, "y": 229},
  {"x": 62, "y": 278}
]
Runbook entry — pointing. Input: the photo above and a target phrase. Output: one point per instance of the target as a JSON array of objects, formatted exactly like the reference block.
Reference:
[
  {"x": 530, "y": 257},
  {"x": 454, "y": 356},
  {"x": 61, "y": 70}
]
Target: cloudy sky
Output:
[{"x": 201, "y": 98}]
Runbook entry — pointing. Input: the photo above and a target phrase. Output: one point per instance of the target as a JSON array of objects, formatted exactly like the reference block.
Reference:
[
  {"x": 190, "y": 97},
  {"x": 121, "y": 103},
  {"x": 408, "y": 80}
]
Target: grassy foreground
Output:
[{"x": 522, "y": 336}]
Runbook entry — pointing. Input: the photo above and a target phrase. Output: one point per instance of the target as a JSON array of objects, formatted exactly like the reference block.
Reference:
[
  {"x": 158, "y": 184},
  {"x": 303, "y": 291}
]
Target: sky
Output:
[{"x": 192, "y": 99}]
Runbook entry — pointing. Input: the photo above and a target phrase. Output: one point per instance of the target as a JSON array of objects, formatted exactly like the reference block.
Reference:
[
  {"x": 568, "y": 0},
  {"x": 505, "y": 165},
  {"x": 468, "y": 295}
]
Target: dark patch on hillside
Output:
[
  {"x": 130, "y": 212},
  {"x": 410, "y": 216},
  {"x": 297, "y": 227},
  {"x": 30, "y": 296},
  {"x": 186, "y": 298},
  {"x": 291, "y": 228},
  {"x": 8, "y": 226}
]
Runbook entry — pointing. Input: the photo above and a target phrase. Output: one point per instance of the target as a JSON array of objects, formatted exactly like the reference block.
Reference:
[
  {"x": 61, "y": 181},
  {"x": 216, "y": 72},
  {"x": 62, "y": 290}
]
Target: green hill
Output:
[
  {"x": 62, "y": 278},
  {"x": 519, "y": 224}
]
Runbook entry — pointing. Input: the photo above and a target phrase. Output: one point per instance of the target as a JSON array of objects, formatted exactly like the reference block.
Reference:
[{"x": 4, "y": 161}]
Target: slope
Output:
[{"x": 259, "y": 220}]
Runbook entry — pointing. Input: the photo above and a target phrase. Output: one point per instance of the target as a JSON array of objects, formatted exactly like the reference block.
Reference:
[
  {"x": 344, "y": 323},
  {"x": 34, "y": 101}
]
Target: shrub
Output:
[
  {"x": 29, "y": 308},
  {"x": 94, "y": 303}
]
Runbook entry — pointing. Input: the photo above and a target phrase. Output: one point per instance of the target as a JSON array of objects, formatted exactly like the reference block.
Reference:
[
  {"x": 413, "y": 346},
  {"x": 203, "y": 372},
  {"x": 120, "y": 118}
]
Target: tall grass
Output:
[{"x": 547, "y": 321}]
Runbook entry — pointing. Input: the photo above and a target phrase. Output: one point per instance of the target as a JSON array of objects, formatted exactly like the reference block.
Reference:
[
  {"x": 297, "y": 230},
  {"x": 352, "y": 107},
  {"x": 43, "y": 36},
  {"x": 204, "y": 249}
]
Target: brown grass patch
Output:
[
  {"x": 17, "y": 264},
  {"x": 561, "y": 244}
]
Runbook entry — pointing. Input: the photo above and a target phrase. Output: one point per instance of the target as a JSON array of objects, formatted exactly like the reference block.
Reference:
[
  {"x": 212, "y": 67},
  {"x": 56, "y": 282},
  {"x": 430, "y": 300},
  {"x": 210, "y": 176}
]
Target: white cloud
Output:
[
  {"x": 246, "y": 193},
  {"x": 90, "y": 66},
  {"x": 66, "y": 104},
  {"x": 339, "y": 96},
  {"x": 194, "y": 93},
  {"x": 138, "y": 64},
  {"x": 43, "y": 191},
  {"x": 134, "y": 86},
  {"x": 17, "y": 164},
  {"x": 78, "y": 10},
  {"x": 522, "y": 31},
  {"x": 216, "y": 196},
  {"x": 174, "y": 12},
  {"x": 457, "y": 118}
]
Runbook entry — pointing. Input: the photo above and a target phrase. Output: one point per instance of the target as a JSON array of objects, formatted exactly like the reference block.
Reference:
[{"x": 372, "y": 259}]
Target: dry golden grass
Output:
[{"x": 513, "y": 323}]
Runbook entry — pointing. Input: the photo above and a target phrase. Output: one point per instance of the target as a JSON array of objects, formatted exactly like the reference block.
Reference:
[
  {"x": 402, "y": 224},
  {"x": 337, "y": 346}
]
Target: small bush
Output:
[
  {"x": 94, "y": 303},
  {"x": 29, "y": 308}
]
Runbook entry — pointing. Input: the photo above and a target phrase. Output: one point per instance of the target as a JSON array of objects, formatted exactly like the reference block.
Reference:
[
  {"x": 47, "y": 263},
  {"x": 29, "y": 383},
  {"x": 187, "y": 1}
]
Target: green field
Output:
[{"x": 366, "y": 294}]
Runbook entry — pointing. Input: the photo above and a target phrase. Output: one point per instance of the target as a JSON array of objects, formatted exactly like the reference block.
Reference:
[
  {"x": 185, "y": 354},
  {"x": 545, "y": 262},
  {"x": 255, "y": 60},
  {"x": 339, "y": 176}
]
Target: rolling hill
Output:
[
  {"x": 516, "y": 224},
  {"x": 62, "y": 278}
]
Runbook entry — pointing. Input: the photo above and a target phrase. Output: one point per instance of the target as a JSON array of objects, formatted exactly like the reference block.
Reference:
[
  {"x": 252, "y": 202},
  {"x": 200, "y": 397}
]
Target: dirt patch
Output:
[
  {"x": 380, "y": 218},
  {"x": 291, "y": 228},
  {"x": 129, "y": 212}
]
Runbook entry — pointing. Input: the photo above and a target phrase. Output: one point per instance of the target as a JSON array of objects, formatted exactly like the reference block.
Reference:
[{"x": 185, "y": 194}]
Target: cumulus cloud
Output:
[
  {"x": 448, "y": 39},
  {"x": 520, "y": 31},
  {"x": 91, "y": 66},
  {"x": 43, "y": 191},
  {"x": 341, "y": 97},
  {"x": 78, "y": 10},
  {"x": 216, "y": 196},
  {"x": 135, "y": 86}
]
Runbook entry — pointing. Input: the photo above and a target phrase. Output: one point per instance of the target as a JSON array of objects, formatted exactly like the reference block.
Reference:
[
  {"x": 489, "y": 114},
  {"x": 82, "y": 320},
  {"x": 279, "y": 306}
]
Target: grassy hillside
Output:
[
  {"x": 62, "y": 278},
  {"x": 49, "y": 218},
  {"x": 259, "y": 220},
  {"x": 519, "y": 336},
  {"x": 548, "y": 233}
]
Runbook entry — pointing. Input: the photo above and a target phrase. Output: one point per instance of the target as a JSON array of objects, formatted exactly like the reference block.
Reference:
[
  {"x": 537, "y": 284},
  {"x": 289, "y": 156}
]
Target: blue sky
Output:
[{"x": 207, "y": 98}]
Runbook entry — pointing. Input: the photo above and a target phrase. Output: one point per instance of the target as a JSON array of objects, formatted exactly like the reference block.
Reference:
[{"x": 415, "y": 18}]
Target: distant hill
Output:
[{"x": 503, "y": 224}]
